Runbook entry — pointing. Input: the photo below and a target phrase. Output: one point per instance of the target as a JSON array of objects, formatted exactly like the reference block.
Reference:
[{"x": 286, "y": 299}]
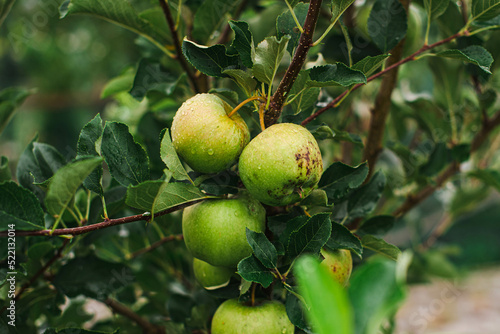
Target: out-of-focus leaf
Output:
[
  {"x": 490, "y": 177},
  {"x": 10, "y": 98},
  {"x": 342, "y": 238},
  {"x": 380, "y": 246},
  {"x": 5, "y": 174},
  {"x": 209, "y": 16},
  {"x": 484, "y": 10},
  {"x": 364, "y": 199},
  {"x": 387, "y": 24},
  {"x": 335, "y": 75},
  {"x": 378, "y": 225},
  {"x": 338, "y": 179},
  {"x": 5, "y": 6},
  {"x": 20, "y": 207},
  {"x": 435, "y": 8},
  {"x": 150, "y": 76}
]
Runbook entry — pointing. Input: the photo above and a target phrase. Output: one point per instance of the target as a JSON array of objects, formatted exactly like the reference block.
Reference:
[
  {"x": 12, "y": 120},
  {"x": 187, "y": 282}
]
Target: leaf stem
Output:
[{"x": 294, "y": 17}]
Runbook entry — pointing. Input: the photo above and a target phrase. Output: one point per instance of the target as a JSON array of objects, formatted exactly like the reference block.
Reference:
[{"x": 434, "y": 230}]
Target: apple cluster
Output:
[{"x": 279, "y": 167}]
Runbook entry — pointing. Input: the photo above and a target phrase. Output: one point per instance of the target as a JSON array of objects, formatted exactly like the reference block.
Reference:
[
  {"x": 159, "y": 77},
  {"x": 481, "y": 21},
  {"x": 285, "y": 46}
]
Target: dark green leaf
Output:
[
  {"x": 474, "y": 54},
  {"x": 267, "y": 58},
  {"x": 291, "y": 225},
  {"x": 49, "y": 160},
  {"x": 328, "y": 307},
  {"x": 155, "y": 196},
  {"x": 252, "y": 270},
  {"x": 119, "y": 12},
  {"x": 210, "y": 60},
  {"x": 243, "y": 79},
  {"x": 364, "y": 199},
  {"x": 171, "y": 159},
  {"x": 77, "y": 331},
  {"x": 342, "y": 238},
  {"x": 10, "y": 98},
  {"x": 285, "y": 25},
  {"x": 226, "y": 182},
  {"x": 19, "y": 206},
  {"x": 435, "y": 8},
  {"x": 335, "y": 75},
  {"x": 369, "y": 64},
  {"x": 378, "y": 225},
  {"x": 295, "y": 310},
  {"x": 317, "y": 197},
  {"x": 262, "y": 248},
  {"x": 5, "y": 6},
  {"x": 438, "y": 159},
  {"x": 375, "y": 294},
  {"x": 338, "y": 179},
  {"x": 310, "y": 237},
  {"x": 64, "y": 184},
  {"x": 490, "y": 177},
  {"x": 341, "y": 135},
  {"x": 380, "y": 246},
  {"x": 127, "y": 161},
  {"x": 89, "y": 136},
  {"x": 5, "y": 174},
  {"x": 209, "y": 16},
  {"x": 339, "y": 7},
  {"x": 151, "y": 76},
  {"x": 92, "y": 277},
  {"x": 243, "y": 42},
  {"x": 484, "y": 10},
  {"x": 387, "y": 24}
]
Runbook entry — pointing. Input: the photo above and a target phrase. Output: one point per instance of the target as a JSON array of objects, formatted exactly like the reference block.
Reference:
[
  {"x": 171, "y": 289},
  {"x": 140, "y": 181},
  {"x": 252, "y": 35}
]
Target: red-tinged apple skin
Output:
[
  {"x": 215, "y": 230},
  {"x": 339, "y": 264},
  {"x": 211, "y": 277},
  {"x": 281, "y": 165},
  {"x": 205, "y": 137},
  {"x": 267, "y": 317}
]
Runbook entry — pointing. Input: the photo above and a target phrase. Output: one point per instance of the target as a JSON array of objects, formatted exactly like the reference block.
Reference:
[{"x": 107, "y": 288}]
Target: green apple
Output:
[
  {"x": 339, "y": 264},
  {"x": 267, "y": 317},
  {"x": 215, "y": 230},
  {"x": 205, "y": 137},
  {"x": 211, "y": 277},
  {"x": 282, "y": 165}
]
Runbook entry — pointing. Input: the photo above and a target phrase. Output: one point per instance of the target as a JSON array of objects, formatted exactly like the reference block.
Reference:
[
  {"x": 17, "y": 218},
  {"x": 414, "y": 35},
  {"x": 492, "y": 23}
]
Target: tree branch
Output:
[
  {"x": 335, "y": 102},
  {"x": 298, "y": 60},
  {"x": 414, "y": 199},
  {"x": 155, "y": 245},
  {"x": 148, "y": 328},
  {"x": 177, "y": 44},
  {"x": 98, "y": 226}
]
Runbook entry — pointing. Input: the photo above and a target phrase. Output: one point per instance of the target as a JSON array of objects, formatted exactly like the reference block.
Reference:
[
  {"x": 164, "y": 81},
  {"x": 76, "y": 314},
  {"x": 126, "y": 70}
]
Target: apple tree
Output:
[{"x": 255, "y": 155}]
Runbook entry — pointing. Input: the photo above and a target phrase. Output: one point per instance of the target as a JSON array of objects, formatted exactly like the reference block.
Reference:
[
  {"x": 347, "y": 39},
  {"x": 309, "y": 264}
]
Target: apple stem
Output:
[
  {"x": 261, "y": 116},
  {"x": 253, "y": 98}
]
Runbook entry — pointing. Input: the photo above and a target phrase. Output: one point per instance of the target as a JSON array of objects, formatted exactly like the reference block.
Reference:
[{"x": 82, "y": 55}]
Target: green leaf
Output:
[
  {"x": 435, "y": 8},
  {"x": 310, "y": 237},
  {"x": 19, "y": 206},
  {"x": 267, "y": 58},
  {"x": 341, "y": 135},
  {"x": 10, "y": 98},
  {"x": 5, "y": 174},
  {"x": 335, "y": 75},
  {"x": 291, "y": 226},
  {"x": 92, "y": 277},
  {"x": 73, "y": 330},
  {"x": 285, "y": 25},
  {"x": 300, "y": 96},
  {"x": 339, "y": 179},
  {"x": 339, "y": 7},
  {"x": 127, "y": 161},
  {"x": 364, "y": 199},
  {"x": 119, "y": 84},
  {"x": 370, "y": 64},
  {"x": 5, "y": 6},
  {"x": 49, "y": 160},
  {"x": 317, "y": 197},
  {"x": 243, "y": 42},
  {"x": 438, "y": 159},
  {"x": 295, "y": 309},
  {"x": 474, "y": 54},
  {"x": 209, "y": 17},
  {"x": 380, "y": 246},
  {"x": 243, "y": 79},
  {"x": 262, "y": 248},
  {"x": 156, "y": 196},
  {"x": 387, "y": 24},
  {"x": 484, "y": 10},
  {"x": 89, "y": 136},
  {"x": 342, "y": 238},
  {"x": 151, "y": 76},
  {"x": 328, "y": 307},
  {"x": 252, "y": 270},
  {"x": 28, "y": 170},
  {"x": 119, "y": 12},
  {"x": 490, "y": 177},
  {"x": 171, "y": 159},
  {"x": 378, "y": 225},
  {"x": 375, "y": 294},
  {"x": 65, "y": 182},
  {"x": 210, "y": 60}
]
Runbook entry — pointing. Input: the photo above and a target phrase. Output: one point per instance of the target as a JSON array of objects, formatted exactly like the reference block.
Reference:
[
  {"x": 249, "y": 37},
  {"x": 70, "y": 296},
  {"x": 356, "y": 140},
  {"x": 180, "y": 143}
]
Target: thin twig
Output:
[
  {"x": 104, "y": 224},
  {"x": 177, "y": 44},
  {"x": 155, "y": 245},
  {"x": 411, "y": 57},
  {"x": 298, "y": 60},
  {"x": 148, "y": 328}
]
